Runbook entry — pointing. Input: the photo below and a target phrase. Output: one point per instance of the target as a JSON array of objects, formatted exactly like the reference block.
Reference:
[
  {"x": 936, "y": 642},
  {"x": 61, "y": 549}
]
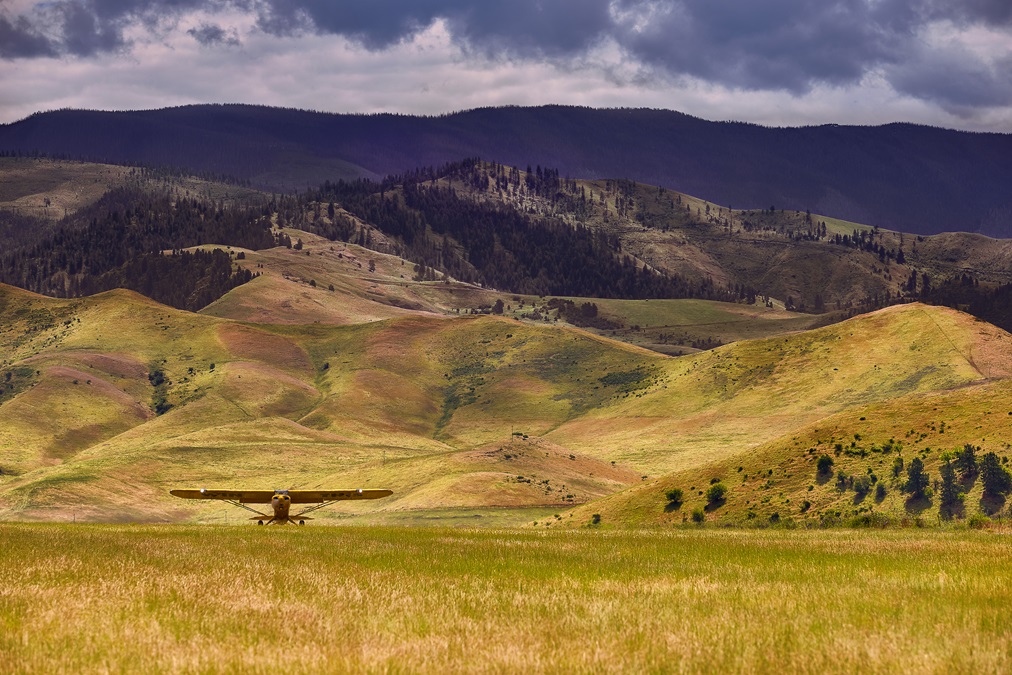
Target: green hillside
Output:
[{"x": 114, "y": 399}]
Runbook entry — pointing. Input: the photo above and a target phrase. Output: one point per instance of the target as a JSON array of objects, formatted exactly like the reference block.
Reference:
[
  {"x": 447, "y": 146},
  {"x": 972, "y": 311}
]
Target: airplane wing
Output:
[
  {"x": 264, "y": 496},
  {"x": 241, "y": 496},
  {"x": 317, "y": 496}
]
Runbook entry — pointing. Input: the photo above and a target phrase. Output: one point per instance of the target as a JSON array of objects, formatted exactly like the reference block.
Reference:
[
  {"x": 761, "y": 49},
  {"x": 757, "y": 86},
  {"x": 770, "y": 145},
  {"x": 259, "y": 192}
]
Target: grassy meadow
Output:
[{"x": 102, "y": 598}]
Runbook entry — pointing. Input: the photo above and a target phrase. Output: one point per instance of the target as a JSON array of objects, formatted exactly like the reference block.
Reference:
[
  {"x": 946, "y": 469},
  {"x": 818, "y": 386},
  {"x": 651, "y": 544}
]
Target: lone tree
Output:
[
  {"x": 993, "y": 476},
  {"x": 824, "y": 464},
  {"x": 917, "y": 480},
  {"x": 715, "y": 494}
]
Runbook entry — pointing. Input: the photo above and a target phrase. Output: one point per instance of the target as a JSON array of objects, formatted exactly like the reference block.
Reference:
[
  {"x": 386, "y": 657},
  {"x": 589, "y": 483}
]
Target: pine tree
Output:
[
  {"x": 917, "y": 480},
  {"x": 950, "y": 495},
  {"x": 993, "y": 476}
]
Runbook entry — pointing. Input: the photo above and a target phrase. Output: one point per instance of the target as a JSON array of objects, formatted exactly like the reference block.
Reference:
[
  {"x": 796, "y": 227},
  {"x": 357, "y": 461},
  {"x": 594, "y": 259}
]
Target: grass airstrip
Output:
[{"x": 169, "y": 598}]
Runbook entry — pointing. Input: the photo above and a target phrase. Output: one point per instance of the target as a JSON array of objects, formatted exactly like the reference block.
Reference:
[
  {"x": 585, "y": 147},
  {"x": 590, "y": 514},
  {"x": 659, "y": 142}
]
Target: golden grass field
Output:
[{"x": 104, "y": 598}]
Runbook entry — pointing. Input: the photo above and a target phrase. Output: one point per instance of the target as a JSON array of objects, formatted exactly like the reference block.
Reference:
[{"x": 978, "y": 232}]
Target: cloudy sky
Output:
[{"x": 781, "y": 62}]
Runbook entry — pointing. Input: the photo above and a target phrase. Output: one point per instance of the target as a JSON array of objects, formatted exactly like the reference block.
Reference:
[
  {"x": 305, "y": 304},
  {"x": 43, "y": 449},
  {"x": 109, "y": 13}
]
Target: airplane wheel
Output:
[
  {"x": 302, "y": 522},
  {"x": 260, "y": 522}
]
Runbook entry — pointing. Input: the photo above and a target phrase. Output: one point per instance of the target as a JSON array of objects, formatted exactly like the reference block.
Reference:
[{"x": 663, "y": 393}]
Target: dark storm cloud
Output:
[
  {"x": 790, "y": 45},
  {"x": 18, "y": 39},
  {"x": 209, "y": 34},
  {"x": 751, "y": 45},
  {"x": 957, "y": 82},
  {"x": 777, "y": 44},
  {"x": 84, "y": 34},
  {"x": 531, "y": 27}
]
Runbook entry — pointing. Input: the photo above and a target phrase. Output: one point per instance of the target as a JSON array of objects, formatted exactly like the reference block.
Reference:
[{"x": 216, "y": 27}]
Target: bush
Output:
[
  {"x": 595, "y": 519},
  {"x": 716, "y": 493},
  {"x": 978, "y": 521},
  {"x": 880, "y": 491},
  {"x": 862, "y": 485},
  {"x": 674, "y": 495},
  {"x": 824, "y": 464},
  {"x": 698, "y": 516},
  {"x": 843, "y": 481}
]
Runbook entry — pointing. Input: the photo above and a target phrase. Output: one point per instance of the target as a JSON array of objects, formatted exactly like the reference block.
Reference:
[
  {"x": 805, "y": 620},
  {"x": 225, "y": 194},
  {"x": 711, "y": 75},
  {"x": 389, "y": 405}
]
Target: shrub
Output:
[
  {"x": 880, "y": 491},
  {"x": 978, "y": 521},
  {"x": 716, "y": 493},
  {"x": 824, "y": 464},
  {"x": 842, "y": 480},
  {"x": 862, "y": 485},
  {"x": 698, "y": 516},
  {"x": 897, "y": 467},
  {"x": 674, "y": 495},
  {"x": 595, "y": 519}
]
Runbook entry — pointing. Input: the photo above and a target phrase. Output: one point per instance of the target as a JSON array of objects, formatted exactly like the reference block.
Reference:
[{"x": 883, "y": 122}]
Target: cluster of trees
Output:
[
  {"x": 995, "y": 479},
  {"x": 584, "y": 314},
  {"x": 182, "y": 279},
  {"x": 118, "y": 242},
  {"x": 863, "y": 240},
  {"x": 991, "y": 303},
  {"x": 958, "y": 472}
]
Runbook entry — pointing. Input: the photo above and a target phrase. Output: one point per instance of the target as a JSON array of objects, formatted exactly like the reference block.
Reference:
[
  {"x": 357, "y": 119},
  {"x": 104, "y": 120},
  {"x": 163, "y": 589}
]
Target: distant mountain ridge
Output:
[{"x": 900, "y": 176}]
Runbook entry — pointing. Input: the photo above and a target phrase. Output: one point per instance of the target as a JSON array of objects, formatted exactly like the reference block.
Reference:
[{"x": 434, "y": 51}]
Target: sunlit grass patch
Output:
[{"x": 168, "y": 598}]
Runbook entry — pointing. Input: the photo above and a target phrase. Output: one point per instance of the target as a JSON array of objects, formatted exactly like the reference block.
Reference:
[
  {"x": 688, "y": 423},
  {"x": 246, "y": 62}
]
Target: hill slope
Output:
[
  {"x": 902, "y": 177},
  {"x": 112, "y": 400}
]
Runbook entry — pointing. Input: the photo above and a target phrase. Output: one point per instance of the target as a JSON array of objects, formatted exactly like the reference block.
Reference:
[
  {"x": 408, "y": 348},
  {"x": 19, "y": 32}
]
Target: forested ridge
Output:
[
  {"x": 527, "y": 231},
  {"x": 496, "y": 245},
  {"x": 118, "y": 243}
]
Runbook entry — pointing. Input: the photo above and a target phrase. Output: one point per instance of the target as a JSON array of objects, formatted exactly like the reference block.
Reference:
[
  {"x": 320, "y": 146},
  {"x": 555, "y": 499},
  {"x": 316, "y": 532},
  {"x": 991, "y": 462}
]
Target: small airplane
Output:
[{"x": 281, "y": 501}]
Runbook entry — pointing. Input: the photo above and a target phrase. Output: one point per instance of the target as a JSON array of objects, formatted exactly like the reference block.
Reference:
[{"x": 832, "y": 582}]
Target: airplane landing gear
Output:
[
  {"x": 260, "y": 522},
  {"x": 302, "y": 522}
]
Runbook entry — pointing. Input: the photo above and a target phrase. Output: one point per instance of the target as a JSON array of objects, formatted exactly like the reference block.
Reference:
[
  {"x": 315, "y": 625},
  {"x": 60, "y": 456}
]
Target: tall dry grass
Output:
[{"x": 322, "y": 599}]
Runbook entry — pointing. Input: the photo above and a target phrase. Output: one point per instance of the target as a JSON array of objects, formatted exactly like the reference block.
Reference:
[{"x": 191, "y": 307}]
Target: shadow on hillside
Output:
[
  {"x": 859, "y": 497},
  {"x": 713, "y": 506},
  {"x": 992, "y": 504},
  {"x": 967, "y": 482},
  {"x": 672, "y": 506},
  {"x": 957, "y": 510},
  {"x": 916, "y": 505},
  {"x": 823, "y": 478}
]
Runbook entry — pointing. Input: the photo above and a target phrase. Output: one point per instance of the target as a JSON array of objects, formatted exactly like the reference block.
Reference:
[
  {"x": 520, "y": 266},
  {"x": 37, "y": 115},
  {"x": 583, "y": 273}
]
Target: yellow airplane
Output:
[{"x": 281, "y": 501}]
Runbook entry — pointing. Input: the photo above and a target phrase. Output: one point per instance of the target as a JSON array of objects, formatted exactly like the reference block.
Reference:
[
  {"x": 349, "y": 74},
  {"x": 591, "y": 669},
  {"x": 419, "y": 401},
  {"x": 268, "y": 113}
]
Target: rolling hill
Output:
[
  {"x": 899, "y": 176},
  {"x": 342, "y": 364},
  {"x": 113, "y": 399}
]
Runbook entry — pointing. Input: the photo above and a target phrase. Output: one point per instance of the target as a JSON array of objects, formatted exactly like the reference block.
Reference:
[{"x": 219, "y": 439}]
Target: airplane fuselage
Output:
[{"x": 281, "y": 502}]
